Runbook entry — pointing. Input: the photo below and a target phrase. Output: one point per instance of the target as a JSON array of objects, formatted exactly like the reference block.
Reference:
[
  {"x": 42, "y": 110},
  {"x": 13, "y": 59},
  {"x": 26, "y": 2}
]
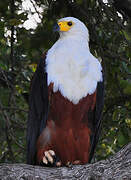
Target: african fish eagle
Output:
[{"x": 66, "y": 100}]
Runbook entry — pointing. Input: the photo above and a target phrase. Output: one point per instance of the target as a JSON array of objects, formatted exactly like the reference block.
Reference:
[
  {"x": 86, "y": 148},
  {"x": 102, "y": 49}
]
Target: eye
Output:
[{"x": 69, "y": 23}]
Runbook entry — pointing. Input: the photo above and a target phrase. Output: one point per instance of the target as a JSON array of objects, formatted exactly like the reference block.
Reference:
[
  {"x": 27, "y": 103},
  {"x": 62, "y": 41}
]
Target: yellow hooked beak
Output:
[{"x": 65, "y": 25}]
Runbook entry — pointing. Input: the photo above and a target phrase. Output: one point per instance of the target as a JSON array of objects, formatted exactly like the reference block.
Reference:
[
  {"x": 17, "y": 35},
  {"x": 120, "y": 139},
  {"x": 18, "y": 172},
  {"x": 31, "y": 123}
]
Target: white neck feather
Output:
[{"x": 72, "y": 68}]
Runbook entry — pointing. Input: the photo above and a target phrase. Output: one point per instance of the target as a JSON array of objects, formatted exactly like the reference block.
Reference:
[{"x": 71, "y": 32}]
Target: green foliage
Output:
[{"x": 110, "y": 41}]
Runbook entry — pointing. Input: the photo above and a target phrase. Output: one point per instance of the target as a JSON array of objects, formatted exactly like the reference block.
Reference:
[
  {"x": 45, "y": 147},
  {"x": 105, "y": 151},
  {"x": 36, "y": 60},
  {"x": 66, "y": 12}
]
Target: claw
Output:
[
  {"x": 51, "y": 158},
  {"x": 68, "y": 164},
  {"x": 76, "y": 162},
  {"x": 52, "y": 152},
  {"x": 48, "y": 155},
  {"x": 58, "y": 164},
  {"x": 45, "y": 160}
]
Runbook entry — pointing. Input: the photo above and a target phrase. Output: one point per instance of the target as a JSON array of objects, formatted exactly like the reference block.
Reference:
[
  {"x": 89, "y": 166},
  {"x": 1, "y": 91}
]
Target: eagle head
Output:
[{"x": 70, "y": 26}]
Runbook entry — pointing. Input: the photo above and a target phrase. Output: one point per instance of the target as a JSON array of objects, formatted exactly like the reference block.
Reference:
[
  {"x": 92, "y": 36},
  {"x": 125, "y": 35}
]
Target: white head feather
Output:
[
  {"x": 79, "y": 29},
  {"x": 70, "y": 65}
]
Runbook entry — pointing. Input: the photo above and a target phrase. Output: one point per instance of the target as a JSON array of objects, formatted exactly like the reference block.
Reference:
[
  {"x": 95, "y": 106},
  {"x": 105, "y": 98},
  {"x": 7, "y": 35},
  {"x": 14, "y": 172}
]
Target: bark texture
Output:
[{"x": 117, "y": 167}]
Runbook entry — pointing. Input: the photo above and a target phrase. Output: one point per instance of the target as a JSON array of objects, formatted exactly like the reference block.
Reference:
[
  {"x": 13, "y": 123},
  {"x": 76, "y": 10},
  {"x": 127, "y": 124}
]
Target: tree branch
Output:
[{"x": 116, "y": 167}]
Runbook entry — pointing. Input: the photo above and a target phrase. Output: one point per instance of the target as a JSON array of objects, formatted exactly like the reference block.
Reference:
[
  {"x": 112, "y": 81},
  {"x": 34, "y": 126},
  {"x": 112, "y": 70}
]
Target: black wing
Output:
[
  {"x": 97, "y": 117},
  {"x": 38, "y": 110}
]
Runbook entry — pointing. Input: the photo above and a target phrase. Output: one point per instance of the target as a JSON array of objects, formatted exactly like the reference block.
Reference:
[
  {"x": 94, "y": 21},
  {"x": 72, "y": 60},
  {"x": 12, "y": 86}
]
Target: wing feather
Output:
[
  {"x": 97, "y": 117},
  {"x": 38, "y": 110}
]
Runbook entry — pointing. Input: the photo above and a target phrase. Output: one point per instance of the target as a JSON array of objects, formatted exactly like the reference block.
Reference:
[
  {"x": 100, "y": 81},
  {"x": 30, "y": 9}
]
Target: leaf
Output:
[
  {"x": 121, "y": 139},
  {"x": 3, "y": 66},
  {"x": 127, "y": 35},
  {"x": 33, "y": 67},
  {"x": 126, "y": 67},
  {"x": 127, "y": 89}
]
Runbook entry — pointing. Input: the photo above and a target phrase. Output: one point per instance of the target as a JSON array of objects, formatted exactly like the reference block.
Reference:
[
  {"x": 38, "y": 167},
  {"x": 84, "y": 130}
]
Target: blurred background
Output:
[{"x": 26, "y": 33}]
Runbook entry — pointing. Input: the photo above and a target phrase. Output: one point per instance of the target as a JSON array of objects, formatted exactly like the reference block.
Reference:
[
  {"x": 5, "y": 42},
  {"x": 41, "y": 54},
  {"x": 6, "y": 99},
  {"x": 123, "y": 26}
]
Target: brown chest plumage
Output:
[{"x": 67, "y": 132}]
